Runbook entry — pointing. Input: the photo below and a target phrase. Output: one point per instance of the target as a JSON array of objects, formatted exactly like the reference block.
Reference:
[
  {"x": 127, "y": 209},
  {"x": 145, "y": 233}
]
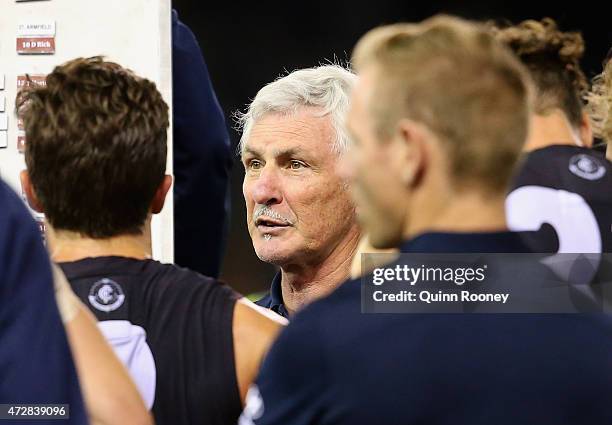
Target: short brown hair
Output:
[
  {"x": 96, "y": 146},
  {"x": 553, "y": 59},
  {"x": 452, "y": 76}
]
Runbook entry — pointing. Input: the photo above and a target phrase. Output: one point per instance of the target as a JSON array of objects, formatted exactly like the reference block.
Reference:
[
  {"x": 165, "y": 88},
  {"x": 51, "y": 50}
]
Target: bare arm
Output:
[
  {"x": 110, "y": 395},
  {"x": 254, "y": 329}
]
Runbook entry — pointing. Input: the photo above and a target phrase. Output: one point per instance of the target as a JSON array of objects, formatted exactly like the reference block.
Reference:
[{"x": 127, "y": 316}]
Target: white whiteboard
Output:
[{"x": 133, "y": 33}]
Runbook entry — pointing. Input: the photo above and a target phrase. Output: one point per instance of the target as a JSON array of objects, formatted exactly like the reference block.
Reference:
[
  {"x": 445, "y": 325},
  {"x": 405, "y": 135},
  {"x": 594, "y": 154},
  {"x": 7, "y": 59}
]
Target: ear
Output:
[
  {"x": 586, "y": 131},
  {"x": 26, "y": 185},
  {"x": 160, "y": 195},
  {"x": 413, "y": 138}
]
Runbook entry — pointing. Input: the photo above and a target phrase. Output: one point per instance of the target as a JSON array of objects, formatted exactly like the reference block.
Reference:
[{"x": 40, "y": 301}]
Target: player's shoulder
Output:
[
  {"x": 21, "y": 245},
  {"x": 149, "y": 278},
  {"x": 171, "y": 273},
  {"x": 169, "y": 278},
  {"x": 7, "y": 196},
  {"x": 13, "y": 211},
  {"x": 570, "y": 168}
]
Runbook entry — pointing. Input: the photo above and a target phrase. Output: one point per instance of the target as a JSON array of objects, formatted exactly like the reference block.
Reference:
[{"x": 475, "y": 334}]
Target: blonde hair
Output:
[
  {"x": 452, "y": 76},
  {"x": 599, "y": 104}
]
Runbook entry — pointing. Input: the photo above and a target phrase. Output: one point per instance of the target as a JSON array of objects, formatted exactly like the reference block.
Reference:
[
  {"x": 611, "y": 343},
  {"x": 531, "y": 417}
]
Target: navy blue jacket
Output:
[
  {"x": 335, "y": 365},
  {"x": 202, "y": 159},
  {"x": 35, "y": 361}
]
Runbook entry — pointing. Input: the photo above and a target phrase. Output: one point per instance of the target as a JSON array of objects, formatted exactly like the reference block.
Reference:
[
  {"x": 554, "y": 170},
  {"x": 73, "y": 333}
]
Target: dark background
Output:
[{"x": 248, "y": 44}]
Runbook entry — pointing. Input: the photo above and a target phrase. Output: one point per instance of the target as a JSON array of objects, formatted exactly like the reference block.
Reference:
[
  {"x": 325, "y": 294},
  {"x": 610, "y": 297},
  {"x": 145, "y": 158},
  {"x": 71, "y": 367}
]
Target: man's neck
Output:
[
  {"x": 463, "y": 212},
  {"x": 302, "y": 284},
  {"x": 551, "y": 129},
  {"x": 67, "y": 246}
]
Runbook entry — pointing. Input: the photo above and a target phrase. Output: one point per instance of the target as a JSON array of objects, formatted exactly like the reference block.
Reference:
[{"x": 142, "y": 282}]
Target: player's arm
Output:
[
  {"x": 111, "y": 398},
  {"x": 254, "y": 331}
]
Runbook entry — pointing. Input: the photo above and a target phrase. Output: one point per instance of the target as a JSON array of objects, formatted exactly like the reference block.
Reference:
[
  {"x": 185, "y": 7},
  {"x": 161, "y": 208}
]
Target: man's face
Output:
[
  {"x": 374, "y": 168},
  {"x": 298, "y": 208}
]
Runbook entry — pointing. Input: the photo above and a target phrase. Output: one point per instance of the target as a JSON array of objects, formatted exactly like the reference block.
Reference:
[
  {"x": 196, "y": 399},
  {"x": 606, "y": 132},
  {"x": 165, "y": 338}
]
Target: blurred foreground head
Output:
[{"x": 439, "y": 114}]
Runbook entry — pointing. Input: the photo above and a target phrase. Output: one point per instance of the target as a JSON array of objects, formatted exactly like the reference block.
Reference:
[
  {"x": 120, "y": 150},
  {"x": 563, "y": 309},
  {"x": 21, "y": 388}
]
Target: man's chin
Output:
[
  {"x": 275, "y": 258},
  {"x": 273, "y": 252}
]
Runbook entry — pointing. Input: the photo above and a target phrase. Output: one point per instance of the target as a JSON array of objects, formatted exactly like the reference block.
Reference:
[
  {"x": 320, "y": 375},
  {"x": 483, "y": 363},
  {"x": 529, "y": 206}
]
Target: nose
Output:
[{"x": 265, "y": 188}]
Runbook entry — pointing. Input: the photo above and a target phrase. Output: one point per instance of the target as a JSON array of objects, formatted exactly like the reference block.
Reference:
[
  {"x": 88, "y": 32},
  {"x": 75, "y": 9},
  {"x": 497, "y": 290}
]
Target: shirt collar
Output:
[
  {"x": 276, "y": 291},
  {"x": 276, "y": 296}
]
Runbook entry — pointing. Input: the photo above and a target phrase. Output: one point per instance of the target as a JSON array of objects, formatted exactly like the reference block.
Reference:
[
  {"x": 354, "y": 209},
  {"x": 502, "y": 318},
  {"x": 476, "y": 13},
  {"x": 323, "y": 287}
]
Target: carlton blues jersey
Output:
[
  {"x": 568, "y": 189},
  {"x": 172, "y": 328}
]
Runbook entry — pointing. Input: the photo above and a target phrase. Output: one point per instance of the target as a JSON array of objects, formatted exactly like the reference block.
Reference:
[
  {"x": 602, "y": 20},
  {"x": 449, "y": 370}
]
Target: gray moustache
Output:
[{"x": 266, "y": 211}]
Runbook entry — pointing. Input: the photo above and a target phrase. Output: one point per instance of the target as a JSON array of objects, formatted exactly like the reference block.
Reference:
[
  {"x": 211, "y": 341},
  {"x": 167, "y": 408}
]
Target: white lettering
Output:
[{"x": 469, "y": 297}]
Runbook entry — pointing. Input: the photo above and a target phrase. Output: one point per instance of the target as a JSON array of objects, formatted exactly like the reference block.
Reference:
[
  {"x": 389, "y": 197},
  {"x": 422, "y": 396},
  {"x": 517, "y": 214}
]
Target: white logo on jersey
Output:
[
  {"x": 130, "y": 345},
  {"x": 106, "y": 295},
  {"x": 587, "y": 167},
  {"x": 254, "y": 407}
]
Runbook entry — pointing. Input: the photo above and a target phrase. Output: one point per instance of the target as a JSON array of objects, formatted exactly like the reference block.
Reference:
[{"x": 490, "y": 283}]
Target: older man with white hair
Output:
[{"x": 299, "y": 211}]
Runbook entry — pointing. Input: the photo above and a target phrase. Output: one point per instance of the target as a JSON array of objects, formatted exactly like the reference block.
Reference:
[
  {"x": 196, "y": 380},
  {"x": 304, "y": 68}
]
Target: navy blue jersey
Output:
[
  {"x": 36, "y": 365},
  {"x": 172, "y": 328},
  {"x": 201, "y": 157},
  {"x": 569, "y": 189},
  {"x": 335, "y": 365}
]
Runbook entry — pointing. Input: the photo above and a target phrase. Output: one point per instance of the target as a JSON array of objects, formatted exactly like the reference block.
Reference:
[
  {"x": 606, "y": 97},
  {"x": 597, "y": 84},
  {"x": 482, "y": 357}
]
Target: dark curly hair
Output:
[
  {"x": 553, "y": 59},
  {"x": 96, "y": 146}
]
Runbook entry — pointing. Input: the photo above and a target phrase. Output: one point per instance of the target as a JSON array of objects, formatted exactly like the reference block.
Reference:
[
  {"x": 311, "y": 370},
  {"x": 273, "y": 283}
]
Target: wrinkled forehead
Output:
[{"x": 304, "y": 131}]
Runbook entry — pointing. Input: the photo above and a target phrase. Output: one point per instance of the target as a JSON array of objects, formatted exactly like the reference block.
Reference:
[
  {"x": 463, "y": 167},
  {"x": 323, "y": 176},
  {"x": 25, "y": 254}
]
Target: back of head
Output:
[
  {"x": 452, "y": 76},
  {"x": 600, "y": 103},
  {"x": 96, "y": 146},
  {"x": 553, "y": 59}
]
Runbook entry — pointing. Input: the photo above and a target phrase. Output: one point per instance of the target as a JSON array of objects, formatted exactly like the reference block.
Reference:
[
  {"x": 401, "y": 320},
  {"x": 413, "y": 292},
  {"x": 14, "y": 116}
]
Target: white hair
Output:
[{"x": 326, "y": 87}]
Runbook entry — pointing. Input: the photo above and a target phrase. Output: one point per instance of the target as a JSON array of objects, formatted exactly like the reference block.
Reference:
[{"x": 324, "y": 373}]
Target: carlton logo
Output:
[
  {"x": 106, "y": 295},
  {"x": 587, "y": 167}
]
